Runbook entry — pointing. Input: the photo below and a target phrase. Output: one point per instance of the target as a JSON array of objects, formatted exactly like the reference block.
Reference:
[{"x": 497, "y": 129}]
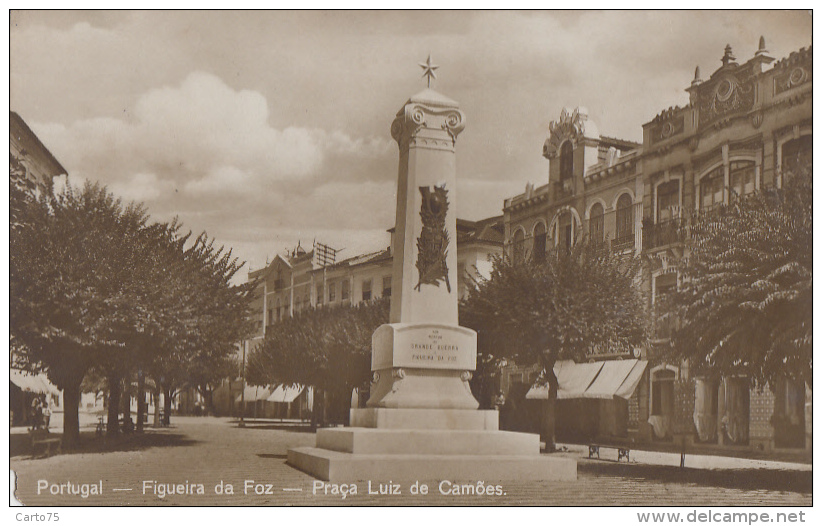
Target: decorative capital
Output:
[{"x": 425, "y": 126}]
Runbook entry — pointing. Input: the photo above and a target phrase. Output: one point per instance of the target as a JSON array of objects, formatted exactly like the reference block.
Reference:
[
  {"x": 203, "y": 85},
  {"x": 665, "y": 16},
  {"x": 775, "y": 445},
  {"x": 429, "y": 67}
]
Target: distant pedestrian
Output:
[
  {"x": 499, "y": 401},
  {"x": 36, "y": 413},
  {"x": 46, "y": 413}
]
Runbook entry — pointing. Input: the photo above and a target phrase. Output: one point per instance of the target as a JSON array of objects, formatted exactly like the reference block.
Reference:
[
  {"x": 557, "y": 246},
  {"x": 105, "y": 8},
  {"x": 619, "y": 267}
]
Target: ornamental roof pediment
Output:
[{"x": 571, "y": 125}]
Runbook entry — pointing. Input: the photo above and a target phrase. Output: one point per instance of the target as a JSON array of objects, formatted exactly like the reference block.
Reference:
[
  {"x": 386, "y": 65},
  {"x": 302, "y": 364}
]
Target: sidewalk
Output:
[{"x": 692, "y": 460}]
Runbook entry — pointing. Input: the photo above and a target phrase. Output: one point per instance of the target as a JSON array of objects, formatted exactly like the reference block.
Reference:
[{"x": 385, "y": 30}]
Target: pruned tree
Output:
[
  {"x": 327, "y": 348},
  {"x": 745, "y": 299},
  {"x": 564, "y": 306},
  {"x": 70, "y": 288},
  {"x": 94, "y": 283}
]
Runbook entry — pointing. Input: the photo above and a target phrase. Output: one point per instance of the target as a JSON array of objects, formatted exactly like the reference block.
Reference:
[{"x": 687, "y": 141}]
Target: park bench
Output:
[
  {"x": 622, "y": 451},
  {"x": 42, "y": 436}
]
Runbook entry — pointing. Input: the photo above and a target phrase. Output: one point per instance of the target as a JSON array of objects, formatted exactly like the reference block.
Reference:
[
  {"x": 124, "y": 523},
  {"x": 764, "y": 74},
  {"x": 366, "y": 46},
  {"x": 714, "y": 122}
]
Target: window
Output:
[
  {"x": 797, "y": 153},
  {"x": 596, "y": 224},
  {"x": 566, "y": 161},
  {"x": 742, "y": 178},
  {"x": 307, "y": 300},
  {"x": 710, "y": 189},
  {"x": 667, "y": 201},
  {"x": 539, "y": 242},
  {"x": 386, "y": 286},
  {"x": 625, "y": 222},
  {"x": 565, "y": 233},
  {"x": 332, "y": 292},
  {"x": 279, "y": 311},
  {"x": 518, "y": 249},
  {"x": 346, "y": 284},
  {"x": 366, "y": 289},
  {"x": 664, "y": 288},
  {"x": 319, "y": 294},
  {"x": 662, "y": 393}
]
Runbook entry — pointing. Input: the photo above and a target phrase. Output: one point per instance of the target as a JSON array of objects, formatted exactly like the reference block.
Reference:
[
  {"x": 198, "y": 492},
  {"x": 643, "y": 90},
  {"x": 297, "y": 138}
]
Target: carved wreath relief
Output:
[{"x": 432, "y": 245}]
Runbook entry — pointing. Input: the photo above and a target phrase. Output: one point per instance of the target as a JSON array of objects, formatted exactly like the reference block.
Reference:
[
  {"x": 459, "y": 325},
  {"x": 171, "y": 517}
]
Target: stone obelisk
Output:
[{"x": 421, "y": 421}]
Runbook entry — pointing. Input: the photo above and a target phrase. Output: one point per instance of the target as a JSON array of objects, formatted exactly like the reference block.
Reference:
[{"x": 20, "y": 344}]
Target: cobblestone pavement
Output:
[{"x": 209, "y": 451}]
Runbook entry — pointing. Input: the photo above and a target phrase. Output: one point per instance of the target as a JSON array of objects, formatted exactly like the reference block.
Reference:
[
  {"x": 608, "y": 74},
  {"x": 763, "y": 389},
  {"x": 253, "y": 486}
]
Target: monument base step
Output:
[
  {"x": 337, "y": 466},
  {"x": 360, "y": 440}
]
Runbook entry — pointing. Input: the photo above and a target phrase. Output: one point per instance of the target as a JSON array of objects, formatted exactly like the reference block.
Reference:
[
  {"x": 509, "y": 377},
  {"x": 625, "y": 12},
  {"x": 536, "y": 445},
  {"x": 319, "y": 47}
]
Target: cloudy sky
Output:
[{"x": 265, "y": 128}]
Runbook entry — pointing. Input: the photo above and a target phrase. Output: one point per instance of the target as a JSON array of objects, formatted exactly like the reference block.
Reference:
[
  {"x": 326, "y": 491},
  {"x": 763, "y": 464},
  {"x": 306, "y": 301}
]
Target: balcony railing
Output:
[
  {"x": 664, "y": 233},
  {"x": 623, "y": 242}
]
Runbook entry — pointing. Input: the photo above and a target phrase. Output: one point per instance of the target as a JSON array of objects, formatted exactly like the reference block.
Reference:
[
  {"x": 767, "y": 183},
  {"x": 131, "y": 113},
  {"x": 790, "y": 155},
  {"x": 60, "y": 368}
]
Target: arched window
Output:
[
  {"x": 565, "y": 230},
  {"x": 539, "y": 242},
  {"x": 566, "y": 161},
  {"x": 596, "y": 224},
  {"x": 625, "y": 222},
  {"x": 518, "y": 249}
]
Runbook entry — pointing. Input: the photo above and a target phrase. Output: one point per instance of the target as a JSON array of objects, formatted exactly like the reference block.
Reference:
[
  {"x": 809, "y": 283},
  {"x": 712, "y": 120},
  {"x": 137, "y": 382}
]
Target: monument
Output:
[{"x": 421, "y": 421}]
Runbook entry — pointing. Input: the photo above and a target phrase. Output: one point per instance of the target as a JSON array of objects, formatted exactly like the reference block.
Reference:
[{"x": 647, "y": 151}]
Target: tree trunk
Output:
[
  {"x": 141, "y": 400},
  {"x": 155, "y": 395},
  {"x": 125, "y": 399},
  {"x": 208, "y": 396},
  {"x": 71, "y": 417},
  {"x": 547, "y": 431},
  {"x": 166, "y": 407},
  {"x": 114, "y": 389}
]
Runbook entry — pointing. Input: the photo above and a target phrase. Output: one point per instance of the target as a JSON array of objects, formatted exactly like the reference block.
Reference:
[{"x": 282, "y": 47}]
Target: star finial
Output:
[{"x": 428, "y": 70}]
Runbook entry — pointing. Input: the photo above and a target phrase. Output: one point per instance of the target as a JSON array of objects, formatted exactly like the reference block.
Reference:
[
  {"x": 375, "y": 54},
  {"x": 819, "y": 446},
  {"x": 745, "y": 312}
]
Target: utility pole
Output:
[{"x": 242, "y": 393}]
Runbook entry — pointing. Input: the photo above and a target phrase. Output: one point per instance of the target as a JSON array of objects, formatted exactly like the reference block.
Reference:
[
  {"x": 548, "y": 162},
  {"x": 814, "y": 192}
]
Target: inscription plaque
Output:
[{"x": 424, "y": 346}]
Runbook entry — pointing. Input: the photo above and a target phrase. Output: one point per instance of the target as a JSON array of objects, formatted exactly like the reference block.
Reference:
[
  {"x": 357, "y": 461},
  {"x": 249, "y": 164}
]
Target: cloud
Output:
[
  {"x": 204, "y": 136},
  {"x": 206, "y": 152}
]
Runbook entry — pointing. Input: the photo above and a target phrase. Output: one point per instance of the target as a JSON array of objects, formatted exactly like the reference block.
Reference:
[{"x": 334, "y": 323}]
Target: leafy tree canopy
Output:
[
  {"x": 565, "y": 306},
  {"x": 745, "y": 300}
]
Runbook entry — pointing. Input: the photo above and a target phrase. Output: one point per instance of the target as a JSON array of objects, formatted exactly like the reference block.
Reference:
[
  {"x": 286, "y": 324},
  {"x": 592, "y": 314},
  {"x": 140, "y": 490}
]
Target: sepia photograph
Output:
[{"x": 416, "y": 258}]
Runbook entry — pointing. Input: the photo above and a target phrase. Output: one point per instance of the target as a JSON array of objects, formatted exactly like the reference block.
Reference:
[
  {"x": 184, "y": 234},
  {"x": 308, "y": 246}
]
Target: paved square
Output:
[{"x": 210, "y": 451}]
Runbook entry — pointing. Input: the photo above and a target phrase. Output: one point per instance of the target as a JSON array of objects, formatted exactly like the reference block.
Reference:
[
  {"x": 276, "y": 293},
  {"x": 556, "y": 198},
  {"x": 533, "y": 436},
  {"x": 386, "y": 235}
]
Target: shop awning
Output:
[
  {"x": 602, "y": 380},
  {"x": 35, "y": 383},
  {"x": 286, "y": 395},
  {"x": 573, "y": 380},
  {"x": 617, "y": 378},
  {"x": 253, "y": 394}
]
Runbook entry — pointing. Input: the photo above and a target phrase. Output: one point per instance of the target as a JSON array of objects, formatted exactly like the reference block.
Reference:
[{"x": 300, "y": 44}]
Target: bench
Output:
[
  {"x": 622, "y": 451},
  {"x": 42, "y": 436}
]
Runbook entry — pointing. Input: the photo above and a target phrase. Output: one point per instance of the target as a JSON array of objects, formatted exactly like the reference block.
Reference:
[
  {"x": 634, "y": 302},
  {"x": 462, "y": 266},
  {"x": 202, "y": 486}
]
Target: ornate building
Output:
[{"x": 743, "y": 127}]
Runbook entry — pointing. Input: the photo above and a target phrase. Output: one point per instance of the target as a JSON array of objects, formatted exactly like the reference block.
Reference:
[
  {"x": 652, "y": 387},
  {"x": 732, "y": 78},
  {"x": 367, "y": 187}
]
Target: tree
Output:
[
  {"x": 93, "y": 283},
  {"x": 562, "y": 307},
  {"x": 745, "y": 300},
  {"x": 70, "y": 259},
  {"x": 327, "y": 348}
]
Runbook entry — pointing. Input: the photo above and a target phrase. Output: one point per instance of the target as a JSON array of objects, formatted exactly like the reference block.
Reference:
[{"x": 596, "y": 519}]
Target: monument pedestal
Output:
[{"x": 427, "y": 444}]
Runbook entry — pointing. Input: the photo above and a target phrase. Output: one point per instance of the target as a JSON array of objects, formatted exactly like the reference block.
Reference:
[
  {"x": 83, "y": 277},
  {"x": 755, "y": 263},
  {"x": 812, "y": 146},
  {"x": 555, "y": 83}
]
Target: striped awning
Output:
[
  {"x": 284, "y": 394},
  {"x": 254, "y": 393},
  {"x": 34, "y": 383}
]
